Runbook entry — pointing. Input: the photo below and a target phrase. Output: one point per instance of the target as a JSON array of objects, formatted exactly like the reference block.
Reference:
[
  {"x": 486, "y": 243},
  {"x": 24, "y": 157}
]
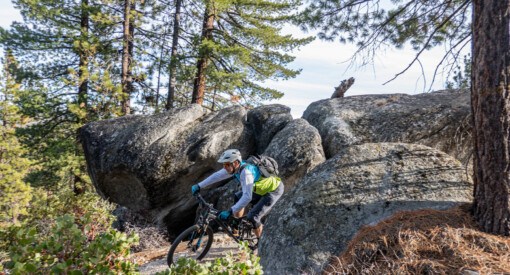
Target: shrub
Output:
[
  {"x": 244, "y": 262},
  {"x": 47, "y": 205},
  {"x": 69, "y": 248},
  {"x": 66, "y": 233}
]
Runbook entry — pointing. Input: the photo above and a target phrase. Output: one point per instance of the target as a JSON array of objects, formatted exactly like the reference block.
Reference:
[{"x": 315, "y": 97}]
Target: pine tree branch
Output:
[
  {"x": 437, "y": 28},
  {"x": 466, "y": 39}
]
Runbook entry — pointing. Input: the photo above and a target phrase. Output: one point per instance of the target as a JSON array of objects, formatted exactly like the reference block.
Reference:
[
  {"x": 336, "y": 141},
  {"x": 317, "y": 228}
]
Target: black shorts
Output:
[{"x": 261, "y": 204}]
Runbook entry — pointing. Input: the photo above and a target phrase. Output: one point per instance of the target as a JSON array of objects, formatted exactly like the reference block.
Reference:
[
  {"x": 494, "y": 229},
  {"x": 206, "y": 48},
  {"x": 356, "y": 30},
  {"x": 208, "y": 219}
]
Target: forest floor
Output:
[
  {"x": 154, "y": 260},
  {"x": 425, "y": 242},
  {"x": 150, "y": 253}
]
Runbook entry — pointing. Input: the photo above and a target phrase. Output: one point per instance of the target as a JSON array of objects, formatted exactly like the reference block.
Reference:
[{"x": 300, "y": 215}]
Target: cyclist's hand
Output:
[
  {"x": 225, "y": 214},
  {"x": 195, "y": 189}
]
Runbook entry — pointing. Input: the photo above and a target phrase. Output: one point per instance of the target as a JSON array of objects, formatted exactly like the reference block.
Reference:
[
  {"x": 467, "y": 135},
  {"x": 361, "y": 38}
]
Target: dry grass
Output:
[
  {"x": 424, "y": 242},
  {"x": 152, "y": 237},
  {"x": 146, "y": 256}
]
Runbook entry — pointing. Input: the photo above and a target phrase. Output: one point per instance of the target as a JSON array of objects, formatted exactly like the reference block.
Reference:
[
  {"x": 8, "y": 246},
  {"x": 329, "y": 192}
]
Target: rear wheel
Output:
[{"x": 193, "y": 243}]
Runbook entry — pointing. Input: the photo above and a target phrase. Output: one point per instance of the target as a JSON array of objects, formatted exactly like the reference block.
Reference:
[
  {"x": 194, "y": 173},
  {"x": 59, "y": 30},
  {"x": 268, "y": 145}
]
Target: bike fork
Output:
[{"x": 199, "y": 240}]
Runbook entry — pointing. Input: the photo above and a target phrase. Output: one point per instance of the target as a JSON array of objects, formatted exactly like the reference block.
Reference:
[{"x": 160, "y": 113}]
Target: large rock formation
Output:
[
  {"x": 361, "y": 185},
  {"x": 266, "y": 121},
  {"x": 150, "y": 162},
  {"x": 298, "y": 149},
  {"x": 440, "y": 120}
]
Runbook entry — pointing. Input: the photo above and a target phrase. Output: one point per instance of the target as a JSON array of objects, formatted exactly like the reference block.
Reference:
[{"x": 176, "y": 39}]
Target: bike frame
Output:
[
  {"x": 194, "y": 235},
  {"x": 210, "y": 215}
]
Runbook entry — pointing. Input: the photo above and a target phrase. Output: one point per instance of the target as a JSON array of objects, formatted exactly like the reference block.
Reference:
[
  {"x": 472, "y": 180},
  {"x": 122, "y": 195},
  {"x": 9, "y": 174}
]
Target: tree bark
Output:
[
  {"x": 173, "y": 56},
  {"x": 83, "y": 63},
  {"x": 160, "y": 66},
  {"x": 203, "y": 62},
  {"x": 490, "y": 99},
  {"x": 127, "y": 56},
  {"x": 78, "y": 185}
]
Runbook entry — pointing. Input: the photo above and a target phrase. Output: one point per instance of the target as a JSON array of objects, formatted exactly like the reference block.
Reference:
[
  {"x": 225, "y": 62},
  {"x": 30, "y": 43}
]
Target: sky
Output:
[{"x": 325, "y": 64}]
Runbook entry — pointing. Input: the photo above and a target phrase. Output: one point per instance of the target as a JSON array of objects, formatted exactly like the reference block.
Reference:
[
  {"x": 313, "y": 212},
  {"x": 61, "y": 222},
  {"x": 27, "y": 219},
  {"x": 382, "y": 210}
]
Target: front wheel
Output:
[{"x": 193, "y": 243}]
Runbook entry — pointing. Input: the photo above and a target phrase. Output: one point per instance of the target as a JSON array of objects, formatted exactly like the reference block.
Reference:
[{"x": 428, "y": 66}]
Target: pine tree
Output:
[
  {"x": 490, "y": 97},
  {"x": 127, "y": 54},
  {"x": 142, "y": 48},
  {"x": 14, "y": 166},
  {"x": 60, "y": 49},
  {"x": 240, "y": 47},
  {"x": 173, "y": 55}
]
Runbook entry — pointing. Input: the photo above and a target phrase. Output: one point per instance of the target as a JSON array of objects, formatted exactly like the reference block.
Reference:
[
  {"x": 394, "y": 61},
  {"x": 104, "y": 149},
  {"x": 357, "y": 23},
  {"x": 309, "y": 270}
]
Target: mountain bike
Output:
[{"x": 196, "y": 241}]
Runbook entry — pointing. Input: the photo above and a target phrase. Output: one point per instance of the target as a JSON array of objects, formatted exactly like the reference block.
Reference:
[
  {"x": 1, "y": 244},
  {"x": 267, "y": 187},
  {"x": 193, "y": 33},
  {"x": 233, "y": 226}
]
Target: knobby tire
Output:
[{"x": 186, "y": 233}]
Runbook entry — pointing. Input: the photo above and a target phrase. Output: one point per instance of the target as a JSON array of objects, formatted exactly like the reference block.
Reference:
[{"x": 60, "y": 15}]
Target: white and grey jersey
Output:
[{"x": 246, "y": 179}]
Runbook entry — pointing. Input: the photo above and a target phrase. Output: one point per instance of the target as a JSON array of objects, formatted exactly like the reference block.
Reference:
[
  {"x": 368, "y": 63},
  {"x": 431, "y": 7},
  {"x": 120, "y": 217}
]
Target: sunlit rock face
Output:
[
  {"x": 361, "y": 185},
  {"x": 439, "y": 120}
]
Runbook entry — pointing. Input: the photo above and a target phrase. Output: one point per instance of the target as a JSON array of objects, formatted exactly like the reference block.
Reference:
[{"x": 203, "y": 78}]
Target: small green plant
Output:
[
  {"x": 69, "y": 248},
  {"x": 244, "y": 262}
]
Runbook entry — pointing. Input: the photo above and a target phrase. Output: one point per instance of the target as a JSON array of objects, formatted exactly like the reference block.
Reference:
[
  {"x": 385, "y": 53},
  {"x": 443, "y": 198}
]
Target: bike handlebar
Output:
[
  {"x": 213, "y": 210},
  {"x": 204, "y": 202}
]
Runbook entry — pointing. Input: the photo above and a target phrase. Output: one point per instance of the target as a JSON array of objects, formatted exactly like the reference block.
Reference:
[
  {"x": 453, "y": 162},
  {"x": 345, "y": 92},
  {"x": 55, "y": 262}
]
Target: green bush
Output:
[
  {"x": 47, "y": 205},
  {"x": 69, "y": 248},
  {"x": 243, "y": 262},
  {"x": 66, "y": 233}
]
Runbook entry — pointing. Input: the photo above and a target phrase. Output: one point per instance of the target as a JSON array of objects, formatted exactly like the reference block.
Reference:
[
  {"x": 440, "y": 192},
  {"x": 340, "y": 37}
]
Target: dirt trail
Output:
[{"x": 157, "y": 259}]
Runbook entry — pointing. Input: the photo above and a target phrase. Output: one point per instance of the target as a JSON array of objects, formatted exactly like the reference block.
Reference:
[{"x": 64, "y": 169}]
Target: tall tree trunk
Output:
[
  {"x": 173, "y": 56},
  {"x": 156, "y": 105},
  {"x": 78, "y": 185},
  {"x": 83, "y": 63},
  {"x": 127, "y": 56},
  {"x": 160, "y": 65},
  {"x": 490, "y": 99},
  {"x": 203, "y": 61}
]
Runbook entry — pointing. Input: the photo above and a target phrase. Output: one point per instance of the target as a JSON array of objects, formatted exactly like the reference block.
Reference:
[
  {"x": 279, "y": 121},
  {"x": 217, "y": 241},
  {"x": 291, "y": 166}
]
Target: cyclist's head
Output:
[
  {"x": 230, "y": 156},
  {"x": 231, "y": 160}
]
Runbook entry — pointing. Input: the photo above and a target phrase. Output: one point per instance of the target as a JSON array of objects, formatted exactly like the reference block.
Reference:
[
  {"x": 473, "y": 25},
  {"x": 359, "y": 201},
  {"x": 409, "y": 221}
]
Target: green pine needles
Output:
[
  {"x": 375, "y": 25},
  {"x": 246, "y": 47}
]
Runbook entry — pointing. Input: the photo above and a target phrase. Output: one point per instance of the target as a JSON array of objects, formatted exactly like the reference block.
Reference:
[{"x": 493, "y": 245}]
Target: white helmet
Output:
[{"x": 230, "y": 156}]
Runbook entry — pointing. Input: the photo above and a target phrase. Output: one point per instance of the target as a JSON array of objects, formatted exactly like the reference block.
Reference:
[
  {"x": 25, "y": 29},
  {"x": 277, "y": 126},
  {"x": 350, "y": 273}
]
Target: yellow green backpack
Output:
[{"x": 268, "y": 168}]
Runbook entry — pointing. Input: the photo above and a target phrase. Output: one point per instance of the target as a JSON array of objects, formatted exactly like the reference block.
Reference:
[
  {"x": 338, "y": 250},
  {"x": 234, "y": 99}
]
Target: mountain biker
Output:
[{"x": 248, "y": 175}]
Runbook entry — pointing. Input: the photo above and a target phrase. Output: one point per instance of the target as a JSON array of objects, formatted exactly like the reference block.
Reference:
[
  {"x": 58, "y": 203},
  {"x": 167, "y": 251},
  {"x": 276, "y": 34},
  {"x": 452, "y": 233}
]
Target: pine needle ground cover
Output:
[{"x": 424, "y": 242}]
